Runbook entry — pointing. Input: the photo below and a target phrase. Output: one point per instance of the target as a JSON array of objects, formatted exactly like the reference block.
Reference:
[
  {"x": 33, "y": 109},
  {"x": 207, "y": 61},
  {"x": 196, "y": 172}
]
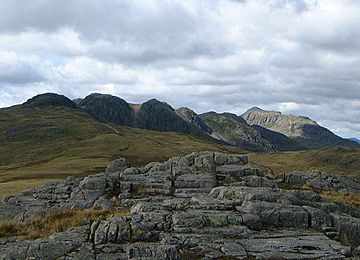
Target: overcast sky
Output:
[{"x": 295, "y": 56}]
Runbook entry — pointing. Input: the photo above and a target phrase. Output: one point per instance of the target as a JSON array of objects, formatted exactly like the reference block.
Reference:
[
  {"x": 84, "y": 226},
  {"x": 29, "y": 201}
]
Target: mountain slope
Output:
[
  {"x": 355, "y": 140},
  {"x": 191, "y": 117},
  {"x": 160, "y": 116},
  {"x": 235, "y": 131},
  {"x": 302, "y": 129},
  {"x": 279, "y": 141},
  {"x": 335, "y": 160},
  {"x": 45, "y": 143}
]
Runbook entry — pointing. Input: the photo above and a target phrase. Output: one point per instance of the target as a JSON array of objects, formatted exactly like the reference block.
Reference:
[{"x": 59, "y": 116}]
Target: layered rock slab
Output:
[{"x": 200, "y": 206}]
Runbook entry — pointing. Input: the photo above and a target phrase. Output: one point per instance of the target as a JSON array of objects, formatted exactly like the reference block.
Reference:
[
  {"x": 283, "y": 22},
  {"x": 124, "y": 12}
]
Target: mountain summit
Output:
[
  {"x": 49, "y": 99},
  {"x": 305, "y": 131}
]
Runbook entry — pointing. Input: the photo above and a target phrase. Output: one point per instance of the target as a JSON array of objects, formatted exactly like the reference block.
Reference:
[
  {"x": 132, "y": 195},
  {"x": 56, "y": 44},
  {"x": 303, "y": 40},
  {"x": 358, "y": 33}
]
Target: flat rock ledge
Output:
[{"x": 201, "y": 206}]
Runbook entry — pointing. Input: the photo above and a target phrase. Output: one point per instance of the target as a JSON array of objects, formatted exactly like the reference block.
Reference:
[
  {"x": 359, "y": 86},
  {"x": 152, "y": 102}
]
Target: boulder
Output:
[
  {"x": 348, "y": 228},
  {"x": 116, "y": 166}
]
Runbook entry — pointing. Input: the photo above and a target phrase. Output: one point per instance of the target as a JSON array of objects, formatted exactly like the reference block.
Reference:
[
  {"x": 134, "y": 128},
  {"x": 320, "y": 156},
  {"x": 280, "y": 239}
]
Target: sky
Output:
[{"x": 299, "y": 57}]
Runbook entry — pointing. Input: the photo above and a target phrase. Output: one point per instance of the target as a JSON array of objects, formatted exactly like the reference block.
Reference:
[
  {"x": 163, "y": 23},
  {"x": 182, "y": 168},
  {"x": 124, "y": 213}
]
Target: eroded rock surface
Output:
[
  {"x": 200, "y": 206},
  {"x": 323, "y": 181}
]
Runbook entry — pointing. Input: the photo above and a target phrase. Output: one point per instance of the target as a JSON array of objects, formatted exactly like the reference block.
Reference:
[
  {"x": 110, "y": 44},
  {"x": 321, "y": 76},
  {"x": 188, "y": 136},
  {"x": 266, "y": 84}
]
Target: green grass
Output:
[{"x": 52, "y": 143}]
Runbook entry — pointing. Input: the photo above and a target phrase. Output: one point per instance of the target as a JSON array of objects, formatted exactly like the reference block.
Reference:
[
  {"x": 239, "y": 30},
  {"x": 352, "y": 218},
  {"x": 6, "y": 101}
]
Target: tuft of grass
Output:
[
  {"x": 349, "y": 199},
  {"x": 7, "y": 227},
  {"x": 54, "y": 222}
]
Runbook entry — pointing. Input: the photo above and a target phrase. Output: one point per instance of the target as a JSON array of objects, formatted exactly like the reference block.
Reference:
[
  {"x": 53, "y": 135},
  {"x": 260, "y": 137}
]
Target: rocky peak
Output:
[
  {"x": 108, "y": 108},
  {"x": 275, "y": 120},
  {"x": 160, "y": 116},
  {"x": 302, "y": 129},
  {"x": 49, "y": 99},
  {"x": 190, "y": 116}
]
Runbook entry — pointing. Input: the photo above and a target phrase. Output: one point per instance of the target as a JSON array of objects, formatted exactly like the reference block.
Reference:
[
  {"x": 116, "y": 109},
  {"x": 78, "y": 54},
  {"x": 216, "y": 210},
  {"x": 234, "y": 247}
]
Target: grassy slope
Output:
[
  {"x": 53, "y": 143},
  {"x": 336, "y": 160},
  {"x": 69, "y": 142}
]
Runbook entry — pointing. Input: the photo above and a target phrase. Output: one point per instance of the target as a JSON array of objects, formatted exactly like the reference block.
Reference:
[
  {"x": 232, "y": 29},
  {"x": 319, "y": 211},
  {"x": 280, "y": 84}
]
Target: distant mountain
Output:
[
  {"x": 255, "y": 130},
  {"x": 191, "y": 117},
  {"x": 160, "y": 116},
  {"x": 49, "y": 99},
  {"x": 354, "y": 140},
  {"x": 152, "y": 115},
  {"x": 305, "y": 131},
  {"x": 235, "y": 131},
  {"x": 108, "y": 108},
  {"x": 279, "y": 141}
]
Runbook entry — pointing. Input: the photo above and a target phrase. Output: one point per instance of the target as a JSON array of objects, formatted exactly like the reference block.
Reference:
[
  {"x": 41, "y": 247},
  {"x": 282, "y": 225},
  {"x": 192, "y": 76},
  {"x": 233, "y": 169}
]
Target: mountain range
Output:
[
  {"x": 354, "y": 140},
  {"x": 51, "y": 137},
  {"x": 256, "y": 130}
]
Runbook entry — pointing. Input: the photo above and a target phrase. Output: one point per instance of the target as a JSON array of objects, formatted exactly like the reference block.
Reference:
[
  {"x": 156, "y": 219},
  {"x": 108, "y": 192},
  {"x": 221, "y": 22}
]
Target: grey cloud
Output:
[
  {"x": 19, "y": 74},
  {"x": 297, "y": 56}
]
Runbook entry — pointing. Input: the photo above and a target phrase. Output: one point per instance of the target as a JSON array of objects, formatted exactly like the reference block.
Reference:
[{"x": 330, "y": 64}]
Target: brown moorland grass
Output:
[
  {"x": 41, "y": 145},
  {"x": 54, "y": 222},
  {"x": 334, "y": 160},
  {"x": 349, "y": 199}
]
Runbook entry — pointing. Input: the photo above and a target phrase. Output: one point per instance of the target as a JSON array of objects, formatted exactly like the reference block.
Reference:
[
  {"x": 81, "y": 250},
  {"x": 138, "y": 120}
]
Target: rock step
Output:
[
  {"x": 191, "y": 192},
  {"x": 332, "y": 235},
  {"x": 329, "y": 229}
]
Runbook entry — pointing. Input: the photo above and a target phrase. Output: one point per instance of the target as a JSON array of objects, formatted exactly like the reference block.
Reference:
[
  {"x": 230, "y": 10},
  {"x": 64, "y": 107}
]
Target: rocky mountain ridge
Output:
[
  {"x": 255, "y": 130},
  {"x": 235, "y": 131},
  {"x": 201, "y": 206},
  {"x": 303, "y": 130},
  {"x": 355, "y": 140}
]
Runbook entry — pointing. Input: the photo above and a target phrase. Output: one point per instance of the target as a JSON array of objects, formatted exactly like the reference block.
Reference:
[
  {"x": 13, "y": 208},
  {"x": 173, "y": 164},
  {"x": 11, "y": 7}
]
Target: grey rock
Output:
[
  {"x": 116, "y": 166},
  {"x": 233, "y": 250},
  {"x": 348, "y": 228},
  {"x": 317, "y": 217},
  {"x": 324, "y": 181},
  {"x": 93, "y": 182},
  {"x": 356, "y": 252},
  {"x": 292, "y": 244},
  {"x": 104, "y": 202},
  {"x": 200, "y": 206},
  {"x": 238, "y": 171},
  {"x": 53, "y": 247},
  {"x": 94, "y": 226},
  {"x": 275, "y": 214},
  {"x": 100, "y": 236},
  {"x": 224, "y": 159},
  {"x": 152, "y": 251}
]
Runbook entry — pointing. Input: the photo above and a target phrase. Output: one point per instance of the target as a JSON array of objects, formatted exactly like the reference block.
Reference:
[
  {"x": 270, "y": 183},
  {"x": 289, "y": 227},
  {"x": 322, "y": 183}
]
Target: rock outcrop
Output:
[
  {"x": 322, "y": 181},
  {"x": 200, "y": 206}
]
